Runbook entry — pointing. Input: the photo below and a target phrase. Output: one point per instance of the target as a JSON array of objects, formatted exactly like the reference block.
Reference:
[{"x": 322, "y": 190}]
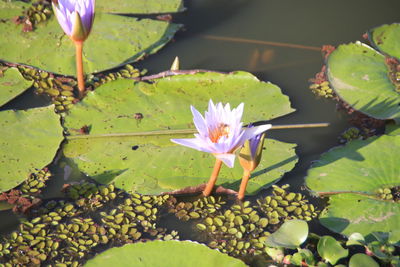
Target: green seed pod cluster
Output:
[
  {"x": 91, "y": 196},
  {"x": 237, "y": 231},
  {"x": 128, "y": 71},
  {"x": 201, "y": 207},
  {"x": 322, "y": 89},
  {"x": 389, "y": 193},
  {"x": 350, "y": 134},
  {"x": 61, "y": 90},
  {"x": 39, "y": 12},
  {"x": 35, "y": 183},
  {"x": 284, "y": 205}
]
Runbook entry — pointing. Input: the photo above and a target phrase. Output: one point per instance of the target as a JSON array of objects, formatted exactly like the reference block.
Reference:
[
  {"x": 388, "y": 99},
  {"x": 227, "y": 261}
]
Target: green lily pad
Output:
[
  {"x": 330, "y": 250},
  {"x": 354, "y": 173},
  {"x": 140, "y": 6},
  {"x": 359, "y": 76},
  {"x": 12, "y": 84},
  {"x": 392, "y": 129},
  {"x": 362, "y": 260},
  {"x": 163, "y": 253},
  {"x": 153, "y": 164},
  {"x": 29, "y": 141},
  {"x": 10, "y": 9},
  {"x": 355, "y": 239},
  {"x": 386, "y": 39},
  {"x": 291, "y": 235},
  {"x": 165, "y": 104},
  {"x": 137, "y": 154},
  {"x": 114, "y": 40}
]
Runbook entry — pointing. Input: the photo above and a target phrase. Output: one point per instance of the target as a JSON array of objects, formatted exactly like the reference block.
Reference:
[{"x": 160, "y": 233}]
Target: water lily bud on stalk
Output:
[
  {"x": 76, "y": 19},
  {"x": 249, "y": 158},
  {"x": 220, "y": 132}
]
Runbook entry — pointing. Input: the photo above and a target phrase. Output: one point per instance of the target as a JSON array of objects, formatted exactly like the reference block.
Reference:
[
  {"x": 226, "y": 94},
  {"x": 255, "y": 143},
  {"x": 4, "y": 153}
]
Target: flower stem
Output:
[
  {"x": 79, "y": 67},
  {"x": 213, "y": 178},
  {"x": 243, "y": 184}
]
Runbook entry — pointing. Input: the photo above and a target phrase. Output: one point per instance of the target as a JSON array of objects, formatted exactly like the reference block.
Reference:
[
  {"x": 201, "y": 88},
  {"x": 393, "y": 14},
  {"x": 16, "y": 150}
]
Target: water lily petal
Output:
[
  {"x": 228, "y": 159},
  {"x": 192, "y": 143},
  {"x": 199, "y": 122},
  {"x": 253, "y": 131}
]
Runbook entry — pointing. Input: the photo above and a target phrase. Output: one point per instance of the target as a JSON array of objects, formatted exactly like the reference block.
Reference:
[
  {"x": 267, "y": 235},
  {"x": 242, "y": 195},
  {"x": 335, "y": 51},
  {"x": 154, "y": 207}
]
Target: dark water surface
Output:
[{"x": 229, "y": 35}]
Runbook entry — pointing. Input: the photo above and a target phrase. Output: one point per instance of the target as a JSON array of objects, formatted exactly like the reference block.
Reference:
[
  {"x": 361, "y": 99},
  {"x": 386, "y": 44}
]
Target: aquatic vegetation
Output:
[
  {"x": 171, "y": 253},
  {"x": 119, "y": 136},
  {"x": 151, "y": 131},
  {"x": 221, "y": 133},
  {"x": 365, "y": 199},
  {"x": 249, "y": 158},
  {"x": 30, "y": 140}
]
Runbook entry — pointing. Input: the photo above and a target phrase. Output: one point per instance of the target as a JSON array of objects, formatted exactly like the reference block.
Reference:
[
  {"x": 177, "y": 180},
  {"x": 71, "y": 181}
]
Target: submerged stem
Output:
[
  {"x": 79, "y": 67},
  {"x": 189, "y": 131},
  {"x": 213, "y": 178},
  {"x": 243, "y": 184}
]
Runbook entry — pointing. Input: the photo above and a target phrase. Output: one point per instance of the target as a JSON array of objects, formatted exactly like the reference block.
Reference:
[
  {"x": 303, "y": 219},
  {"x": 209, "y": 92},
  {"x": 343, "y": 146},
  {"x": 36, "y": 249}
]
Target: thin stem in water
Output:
[
  {"x": 213, "y": 178},
  {"x": 243, "y": 184},
  {"x": 79, "y": 67}
]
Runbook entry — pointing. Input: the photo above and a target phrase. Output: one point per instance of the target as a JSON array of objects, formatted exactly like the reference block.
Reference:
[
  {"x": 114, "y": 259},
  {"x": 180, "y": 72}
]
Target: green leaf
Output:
[
  {"x": 12, "y": 84},
  {"x": 329, "y": 249},
  {"x": 29, "y": 141},
  {"x": 303, "y": 254},
  {"x": 10, "y": 9},
  {"x": 359, "y": 76},
  {"x": 114, "y": 40},
  {"x": 153, "y": 164},
  {"x": 163, "y": 253},
  {"x": 348, "y": 213},
  {"x": 126, "y": 151},
  {"x": 386, "y": 39},
  {"x": 355, "y": 239},
  {"x": 290, "y": 235},
  {"x": 140, "y": 6},
  {"x": 392, "y": 129},
  {"x": 354, "y": 173},
  {"x": 277, "y": 254},
  {"x": 362, "y": 260},
  {"x": 165, "y": 104}
]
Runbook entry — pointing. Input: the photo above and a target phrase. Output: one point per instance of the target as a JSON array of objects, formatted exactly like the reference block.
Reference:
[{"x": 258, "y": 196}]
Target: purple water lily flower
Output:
[
  {"x": 220, "y": 132},
  {"x": 75, "y": 17}
]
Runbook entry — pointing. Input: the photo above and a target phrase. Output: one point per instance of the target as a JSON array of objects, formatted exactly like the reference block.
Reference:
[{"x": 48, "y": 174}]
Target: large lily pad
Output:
[
  {"x": 29, "y": 141},
  {"x": 114, "y": 40},
  {"x": 360, "y": 77},
  {"x": 140, "y": 6},
  {"x": 11, "y": 85},
  {"x": 153, "y": 164},
  {"x": 123, "y": 149},
  {"x": 164, "y": 253},
  {"x": 386, "y": 39},
  {"x": 165, "y": 104},
  {"x": 353, "y": 174},
  {"x": 10, "y": 9}
]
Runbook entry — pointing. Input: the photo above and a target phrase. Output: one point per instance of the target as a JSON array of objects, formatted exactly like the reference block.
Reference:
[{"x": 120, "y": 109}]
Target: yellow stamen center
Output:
[{"x": 218, "y": 132}]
